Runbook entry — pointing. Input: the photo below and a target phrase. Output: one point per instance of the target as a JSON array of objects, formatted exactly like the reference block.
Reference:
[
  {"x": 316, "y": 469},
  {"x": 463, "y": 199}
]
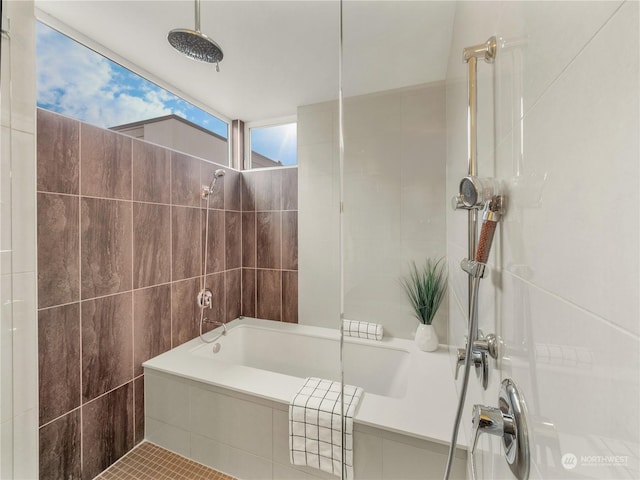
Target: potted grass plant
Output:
[{"x": 425, "y": 287}]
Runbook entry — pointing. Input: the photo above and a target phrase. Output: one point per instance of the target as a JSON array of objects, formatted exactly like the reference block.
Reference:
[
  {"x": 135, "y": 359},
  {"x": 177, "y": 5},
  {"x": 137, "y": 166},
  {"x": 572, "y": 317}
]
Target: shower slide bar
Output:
[
  {"x": 474, "y": 193},
  {"x": 470, "y": 55},
  {"x": 484, "y": 193},
  {"x": 477, "y": 193}
]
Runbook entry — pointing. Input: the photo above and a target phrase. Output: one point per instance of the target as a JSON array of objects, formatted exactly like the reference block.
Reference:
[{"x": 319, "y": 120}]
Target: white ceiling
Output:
[{"x": 277, "y": 54}]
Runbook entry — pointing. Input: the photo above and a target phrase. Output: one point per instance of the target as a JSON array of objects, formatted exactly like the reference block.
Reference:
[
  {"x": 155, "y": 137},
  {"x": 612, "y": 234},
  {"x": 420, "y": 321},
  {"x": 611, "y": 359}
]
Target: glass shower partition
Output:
[{"x": 392, "y": 177}]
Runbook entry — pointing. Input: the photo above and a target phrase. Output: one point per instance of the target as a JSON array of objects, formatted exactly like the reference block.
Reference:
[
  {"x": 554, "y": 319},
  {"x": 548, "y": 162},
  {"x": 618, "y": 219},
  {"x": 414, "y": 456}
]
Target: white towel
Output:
[
  {"x": 315, "y": 433},
  {"x": 355, "y": 328}
]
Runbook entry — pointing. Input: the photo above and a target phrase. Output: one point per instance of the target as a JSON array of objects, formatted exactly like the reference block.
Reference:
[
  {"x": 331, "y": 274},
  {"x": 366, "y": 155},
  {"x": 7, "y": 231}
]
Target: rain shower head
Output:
[{"x": 195, "y": 44}]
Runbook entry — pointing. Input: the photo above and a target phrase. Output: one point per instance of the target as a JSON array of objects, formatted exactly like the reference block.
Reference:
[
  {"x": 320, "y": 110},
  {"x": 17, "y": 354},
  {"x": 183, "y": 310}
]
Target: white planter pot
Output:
[{"x": 426, "y": 338}]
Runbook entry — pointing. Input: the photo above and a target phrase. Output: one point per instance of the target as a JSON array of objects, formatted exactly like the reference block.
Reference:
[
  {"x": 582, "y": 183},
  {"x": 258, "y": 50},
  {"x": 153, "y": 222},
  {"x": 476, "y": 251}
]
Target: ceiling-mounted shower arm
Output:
[
  {"x": 195, "y": 44},
  {"x": 197, "y": 15}
]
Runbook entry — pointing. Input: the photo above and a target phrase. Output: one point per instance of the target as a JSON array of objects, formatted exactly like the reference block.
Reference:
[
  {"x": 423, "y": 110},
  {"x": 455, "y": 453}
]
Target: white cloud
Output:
[{"x": 79, "y": 82}]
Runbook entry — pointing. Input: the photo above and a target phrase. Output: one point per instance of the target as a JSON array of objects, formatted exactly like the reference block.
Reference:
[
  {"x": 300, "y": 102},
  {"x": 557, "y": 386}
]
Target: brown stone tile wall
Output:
[
  {"x": 120, "y": 255},
  {"x": 270, "y": 244},
  {"x": 121, "y": 247}
]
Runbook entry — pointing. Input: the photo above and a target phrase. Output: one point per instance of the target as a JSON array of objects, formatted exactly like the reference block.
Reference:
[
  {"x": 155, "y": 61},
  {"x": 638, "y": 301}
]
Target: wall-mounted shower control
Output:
[
  {"x": 479, "y": 362},
  {"x": 205, "y": 298},
  {"x": 507, "y": 421},
  {"x": 481, "y": 349}
]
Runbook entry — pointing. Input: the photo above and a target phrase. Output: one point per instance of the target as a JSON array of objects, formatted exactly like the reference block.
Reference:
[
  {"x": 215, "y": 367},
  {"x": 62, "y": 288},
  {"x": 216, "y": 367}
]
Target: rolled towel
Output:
[{"x": 356, "y": 328}]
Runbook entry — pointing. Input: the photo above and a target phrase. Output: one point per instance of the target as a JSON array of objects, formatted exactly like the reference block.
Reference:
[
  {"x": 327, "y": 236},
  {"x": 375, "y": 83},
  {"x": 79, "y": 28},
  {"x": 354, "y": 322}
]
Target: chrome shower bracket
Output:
[{"x": 205, "y": 191}]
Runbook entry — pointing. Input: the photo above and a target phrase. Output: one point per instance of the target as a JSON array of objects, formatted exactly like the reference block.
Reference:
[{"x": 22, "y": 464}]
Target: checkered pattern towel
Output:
[
  {"x": 355, "y": 328},
  {"x": 315, "y": 433}
]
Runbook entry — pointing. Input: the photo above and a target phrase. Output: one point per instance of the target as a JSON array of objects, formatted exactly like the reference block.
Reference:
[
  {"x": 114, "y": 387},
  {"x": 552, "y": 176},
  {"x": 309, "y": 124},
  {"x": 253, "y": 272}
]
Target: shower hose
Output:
[
  {"x": 473, "y": 319},
  {"x": 206, "y": 260}
]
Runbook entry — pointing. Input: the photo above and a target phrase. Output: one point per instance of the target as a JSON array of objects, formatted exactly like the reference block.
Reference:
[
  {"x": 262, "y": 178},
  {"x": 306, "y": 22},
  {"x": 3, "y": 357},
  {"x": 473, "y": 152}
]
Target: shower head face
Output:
[
  {"x": 195, "y": 45},
  {"x": 476, "y": 192},
  {"x": 219, "y": 173}
]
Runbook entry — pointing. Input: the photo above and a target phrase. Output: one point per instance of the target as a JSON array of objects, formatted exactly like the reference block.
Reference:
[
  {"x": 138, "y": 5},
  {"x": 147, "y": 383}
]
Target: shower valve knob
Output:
[
  {"x": 205, "y": 298},
  {"x": 457, "y": 202}
]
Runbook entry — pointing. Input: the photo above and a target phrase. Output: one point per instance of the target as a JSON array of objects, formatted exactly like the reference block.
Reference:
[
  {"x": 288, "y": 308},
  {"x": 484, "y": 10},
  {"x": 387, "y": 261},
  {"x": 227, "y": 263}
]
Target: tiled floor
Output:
[{"x": 150, "y": 462}]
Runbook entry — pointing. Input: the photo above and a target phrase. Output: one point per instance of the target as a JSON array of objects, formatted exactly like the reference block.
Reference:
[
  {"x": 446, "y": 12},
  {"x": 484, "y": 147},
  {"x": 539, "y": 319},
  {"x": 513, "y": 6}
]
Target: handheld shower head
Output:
[
  {"x": 492, "y": 214},
  {"x": 476, "y": 192},
  {"x": 207, "y": 191}
]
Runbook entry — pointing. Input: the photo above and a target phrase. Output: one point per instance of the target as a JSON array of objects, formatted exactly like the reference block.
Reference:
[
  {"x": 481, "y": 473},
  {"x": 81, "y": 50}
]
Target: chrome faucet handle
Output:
[
  {"x": 508, "y": 422},
  {"x": 479, "y": 361},
  {"x": 489, "y": 420}
]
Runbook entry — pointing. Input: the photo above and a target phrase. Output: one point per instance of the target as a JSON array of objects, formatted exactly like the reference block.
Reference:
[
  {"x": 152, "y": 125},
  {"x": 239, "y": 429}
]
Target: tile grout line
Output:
[
  {"x": 255, "y": 251},
  {"x": 114, "y": 294},
  {"x": 241, "y": 313},
  {"x": 94, "y": 197},
  {"x": 80, "y": 291},
  {"x": 168, "y": 154},
  {"x": 133, "y": 340},
  {"x": 281, "y": 242},
  {"x": 125, "y": 291},
  {"x": 79, "y": 407},
  {"x": 224, "y": 249}
]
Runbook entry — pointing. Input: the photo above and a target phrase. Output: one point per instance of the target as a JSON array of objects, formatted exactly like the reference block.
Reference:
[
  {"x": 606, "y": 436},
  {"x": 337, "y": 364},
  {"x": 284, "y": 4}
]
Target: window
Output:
[
  {"x": 273, "y": 145},
  {"x": 77, "y": 82}
]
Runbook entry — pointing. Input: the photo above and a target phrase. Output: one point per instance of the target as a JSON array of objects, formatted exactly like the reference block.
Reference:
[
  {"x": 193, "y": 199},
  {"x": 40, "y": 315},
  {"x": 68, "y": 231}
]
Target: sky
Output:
[
  {"x": 278, "y": 143},
  {"x": 76, "y": 81}
]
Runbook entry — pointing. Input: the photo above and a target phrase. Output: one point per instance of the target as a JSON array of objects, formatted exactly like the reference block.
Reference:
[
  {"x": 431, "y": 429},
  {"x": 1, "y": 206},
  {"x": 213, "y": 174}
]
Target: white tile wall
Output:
[
  {"x": 6, "y": 449},
  {"x": 22, "y": 60},
  {"x": 394, "y": 205},
  {"x": 6, "y": 352},
  {"x": 318, "y": 216},
  {"x": 25, "y": 346},
  {"x": 5, "y": 199},
  {"x": 23, "y": 182},
  {"x": 563, "y": 294},
  {"x": 18, "y": 334},
  {"x": 25, "y": 445}
]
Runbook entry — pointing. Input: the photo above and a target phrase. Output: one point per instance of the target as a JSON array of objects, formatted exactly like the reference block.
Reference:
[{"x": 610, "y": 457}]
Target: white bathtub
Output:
[
  {"x": 406, "y": 391},
  {"x": 301, "y": 352}
]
